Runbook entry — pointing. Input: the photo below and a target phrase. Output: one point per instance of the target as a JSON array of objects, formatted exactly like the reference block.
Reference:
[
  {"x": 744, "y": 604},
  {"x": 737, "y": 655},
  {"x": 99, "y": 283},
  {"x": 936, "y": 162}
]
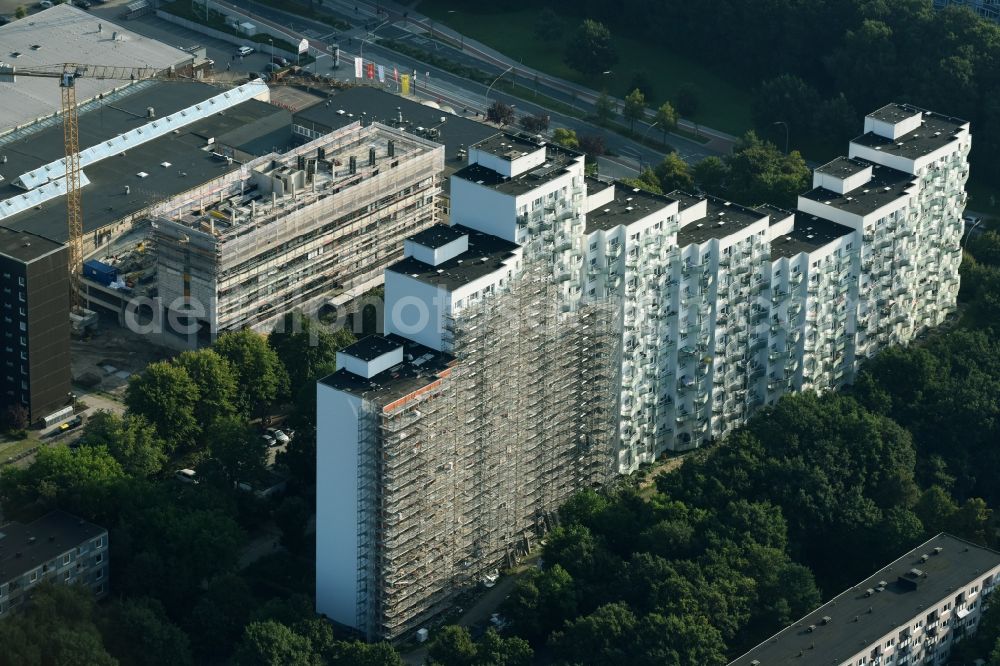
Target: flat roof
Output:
[
  {"x": 858, "y": 620},
  {"x": 724, "y": 218},
  {"x": 370, "y": 348},
  {"x": 509, "y": 146},
  {"x": 252, "y": 127},
  {"x": 421, "y": 367},
  {"x": 776, "y": 213},
  {"x": 630, "y": 204},
  {"x": 437, "y": 236},
  {"x": 886, "y": 185},
  {"x": 372, "y": 104},
  {"x": 843, "y": 167},
  {"x": 486, "y": 254},
  {"x": 25, "y": 247},
  {"x": 24, "y": 547},
  {"x": 65, "y": 33},
  {"x": 808, "y": 233},
  {"x": 935, "y": 131},
  {"x": 557, "y": 162},
  {"x": 894, "y": 112}
]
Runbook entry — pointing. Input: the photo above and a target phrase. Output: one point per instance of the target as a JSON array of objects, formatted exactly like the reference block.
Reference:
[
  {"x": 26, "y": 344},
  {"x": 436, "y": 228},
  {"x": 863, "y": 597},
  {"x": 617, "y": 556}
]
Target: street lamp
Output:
[
  {"x": 642, "y": 141},
  {"x": 486, "y": 100},
  {"x": 369, "y": 35},
  {"x": 782, "y": 122},
  {"x": 969, "y": 234},
  {"x": 271, "y": 42}
]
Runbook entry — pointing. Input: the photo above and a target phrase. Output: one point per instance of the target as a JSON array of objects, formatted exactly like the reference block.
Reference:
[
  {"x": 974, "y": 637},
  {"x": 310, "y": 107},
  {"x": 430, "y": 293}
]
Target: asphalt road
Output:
[{"x": 445, "y": 87}]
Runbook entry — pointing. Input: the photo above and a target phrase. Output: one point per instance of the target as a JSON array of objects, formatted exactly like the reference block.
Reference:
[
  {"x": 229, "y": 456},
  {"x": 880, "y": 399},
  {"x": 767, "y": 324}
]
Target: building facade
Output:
[
  {"x": 59, "y": 548},
  {"x": 34, "y": 324},
  {"x": 913, "y": 611},
  {"x": 295, "y": 230},
  {"x": 610, "y": 325}
]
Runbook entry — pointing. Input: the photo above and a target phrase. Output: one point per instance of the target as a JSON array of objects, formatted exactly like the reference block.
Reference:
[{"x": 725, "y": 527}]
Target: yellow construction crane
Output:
[{"x": 67, "y": 74}]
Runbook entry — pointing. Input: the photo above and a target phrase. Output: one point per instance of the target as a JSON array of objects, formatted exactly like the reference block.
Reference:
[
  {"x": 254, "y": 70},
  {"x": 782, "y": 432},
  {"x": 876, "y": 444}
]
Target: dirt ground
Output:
[{"x": 111, "y": 356}]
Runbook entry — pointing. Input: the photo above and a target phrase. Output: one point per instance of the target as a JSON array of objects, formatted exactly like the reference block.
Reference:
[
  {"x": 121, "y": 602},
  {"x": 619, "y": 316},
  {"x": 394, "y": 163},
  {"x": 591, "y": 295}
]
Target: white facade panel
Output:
[{"x": 337, "y": 504}]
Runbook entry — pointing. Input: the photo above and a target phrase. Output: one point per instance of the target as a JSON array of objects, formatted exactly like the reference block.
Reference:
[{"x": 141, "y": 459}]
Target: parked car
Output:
[
  {"x": 244, "y": 51},
  {"x": 82, "y": 4},
  {"x": 186, "y": 476},
  {"x": 269, "y": 440},
  {"x": 278, "y": 60},
  {"x": 72, "y": 423},
  {"x": 45, "y": 4},
  {"x": 279, "y": 437}
]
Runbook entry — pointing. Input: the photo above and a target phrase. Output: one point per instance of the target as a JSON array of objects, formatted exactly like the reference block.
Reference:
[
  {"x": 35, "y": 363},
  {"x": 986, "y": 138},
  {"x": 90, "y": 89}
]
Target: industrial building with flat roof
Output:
[
  {"x": 911, "y": 611},
  {"x": 65, "y": 33}
]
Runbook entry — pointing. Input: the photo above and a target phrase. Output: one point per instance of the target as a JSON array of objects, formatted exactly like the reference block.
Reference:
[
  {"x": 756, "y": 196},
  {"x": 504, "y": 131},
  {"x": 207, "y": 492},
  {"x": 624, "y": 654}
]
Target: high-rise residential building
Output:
[
  {"x": 613, "y": 325},
  {"x": 988, "y": 9},
  {"x": 913, "y": 611},
  {"x": 58, "y": 547},
  {"x": 34, "y": 326}
]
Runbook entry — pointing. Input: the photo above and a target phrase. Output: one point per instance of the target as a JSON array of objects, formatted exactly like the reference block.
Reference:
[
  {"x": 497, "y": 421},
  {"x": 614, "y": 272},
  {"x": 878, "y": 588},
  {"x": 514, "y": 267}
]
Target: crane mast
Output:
[{"x": 74, "y": 210}]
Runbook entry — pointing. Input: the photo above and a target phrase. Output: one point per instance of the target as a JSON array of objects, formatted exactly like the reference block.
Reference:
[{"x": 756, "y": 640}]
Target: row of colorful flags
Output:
[{"x": 370, "y": 70}]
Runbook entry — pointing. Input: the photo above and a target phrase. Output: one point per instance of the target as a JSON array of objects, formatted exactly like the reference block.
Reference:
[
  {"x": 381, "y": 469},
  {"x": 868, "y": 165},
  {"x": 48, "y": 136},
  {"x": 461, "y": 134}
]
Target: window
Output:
[
  {"x": 33, "y": 576},
  {"x": 98, "y": 542},
  {"x": 66, "y": 559}
]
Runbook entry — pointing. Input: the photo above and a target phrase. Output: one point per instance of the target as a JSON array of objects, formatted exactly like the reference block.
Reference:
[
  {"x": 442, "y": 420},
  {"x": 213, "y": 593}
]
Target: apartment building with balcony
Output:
[
  {"x": 912, "y": 611},
  {"x": 563, "y": 329},
  {"x": 59, "y": 548}
]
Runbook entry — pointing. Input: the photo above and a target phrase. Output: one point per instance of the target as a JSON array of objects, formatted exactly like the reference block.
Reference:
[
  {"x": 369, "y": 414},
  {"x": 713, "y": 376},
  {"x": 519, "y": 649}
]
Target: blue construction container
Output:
[{"x": 99, "y": 272}]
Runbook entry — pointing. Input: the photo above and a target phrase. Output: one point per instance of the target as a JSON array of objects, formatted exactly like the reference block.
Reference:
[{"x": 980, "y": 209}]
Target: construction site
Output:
[
  {"x": 463, "y": 458},
  {"x": 313, "y": 226}
]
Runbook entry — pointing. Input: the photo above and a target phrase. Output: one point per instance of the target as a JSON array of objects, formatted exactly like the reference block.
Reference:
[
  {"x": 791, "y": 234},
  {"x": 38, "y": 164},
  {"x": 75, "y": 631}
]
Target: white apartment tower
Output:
[{"x": 612, "y": 325}]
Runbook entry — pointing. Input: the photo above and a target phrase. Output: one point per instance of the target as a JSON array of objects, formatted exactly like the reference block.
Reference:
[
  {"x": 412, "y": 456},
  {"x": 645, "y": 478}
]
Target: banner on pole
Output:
[
  {"x": 395, "y": 74},
  {"x": 371, "y": 70},
  {"x": 303, "y": 45},
  {"x": 405, "y": 84},
  {"x": 336, "y": 57},
  {"x": 381, "y": 74},
  {"x": 357, "y": 68}
]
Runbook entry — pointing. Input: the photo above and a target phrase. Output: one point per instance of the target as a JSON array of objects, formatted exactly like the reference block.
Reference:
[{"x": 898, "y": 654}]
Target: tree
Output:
[
  {"x": 356, "y": 653},
  {"x": 548, "y": 25},
  {"x": 238, "y": 450},
  {"x": 274, "y": 644},
  {"x": 137, "y": 632},
  {"x": 78, "y": 480},
  {"x": 261, "y": 377},
  {"x": 166, "y": 396},
  {"x": 565, "y": 137},
  {"x": 17, "y": 417},
  {"x": 217, "y": 620},
  {"x": 500, "y": 113},
  {"x": 760, "y": 173},
  {"x": 647, "y": 180},
  {"x": 452, "y": 646},
  {"x": 635, "y": 107},
  {"x": 131, "y": 440},
  {"x": 604, "y": 107},
  {"x": 20, "y": 12},
  {"x": 640, "y": 81},
  {"x": 666, "y": 119},
  {"x": 292, "y": 518},
  {"x": 589, "y": 50},
  {"x": 687, "y": 100},
  {"x": 602, "y": 638},
  {"x": 593, "y": 146},
  {"x": 216, "y": 383},
  {"x": 785, "y": 98},
  {"x": 535, "y": 124},
  {"x": 673, "y": 173},
  {"x": 712, "y": 175},
  {"x": 494, "y": 650}
]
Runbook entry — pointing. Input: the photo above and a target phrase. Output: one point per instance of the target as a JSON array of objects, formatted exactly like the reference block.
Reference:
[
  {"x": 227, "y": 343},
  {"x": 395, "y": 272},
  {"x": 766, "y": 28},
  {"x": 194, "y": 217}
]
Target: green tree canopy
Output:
[
  {"x": 590, "y": 51},
  {"x": 274, "y": 644},
  {"x": 216, "y": 382},
  {"x": 262, "y": 379},
  {"x": 131, "y": 440},
  {"x": 635, "y": 107},
  {"x": 166, "y": 396}
]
